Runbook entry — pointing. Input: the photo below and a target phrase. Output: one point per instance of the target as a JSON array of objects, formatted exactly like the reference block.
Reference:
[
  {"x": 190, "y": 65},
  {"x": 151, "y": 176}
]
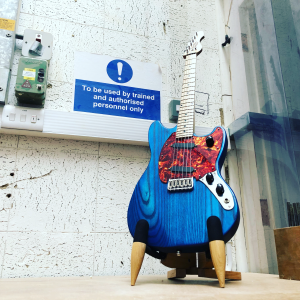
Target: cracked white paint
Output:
[{"x": 66, "y": 215}]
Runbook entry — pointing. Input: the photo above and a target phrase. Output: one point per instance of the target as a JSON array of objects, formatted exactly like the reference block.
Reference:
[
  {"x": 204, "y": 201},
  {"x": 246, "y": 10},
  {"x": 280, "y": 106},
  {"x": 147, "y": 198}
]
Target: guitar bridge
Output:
[{"x": 180, "y": 184}]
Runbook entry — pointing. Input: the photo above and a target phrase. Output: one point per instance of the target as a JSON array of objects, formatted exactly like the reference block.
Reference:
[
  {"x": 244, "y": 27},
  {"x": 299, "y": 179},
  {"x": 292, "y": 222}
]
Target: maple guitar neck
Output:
[{"x": 186, "y": 118}]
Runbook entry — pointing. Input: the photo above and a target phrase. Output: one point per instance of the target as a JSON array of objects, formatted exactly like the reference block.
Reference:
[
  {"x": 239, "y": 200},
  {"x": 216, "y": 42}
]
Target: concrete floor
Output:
[{"x": 252, "y": 286}]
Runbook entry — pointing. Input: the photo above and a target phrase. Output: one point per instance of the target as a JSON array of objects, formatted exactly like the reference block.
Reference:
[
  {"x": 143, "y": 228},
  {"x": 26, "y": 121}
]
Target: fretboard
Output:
[{"x": 185, "y": 125}]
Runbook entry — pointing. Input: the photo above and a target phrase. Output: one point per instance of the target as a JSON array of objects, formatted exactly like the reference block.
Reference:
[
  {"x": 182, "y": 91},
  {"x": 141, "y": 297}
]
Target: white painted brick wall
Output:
[{"x": 63, "y": 203}]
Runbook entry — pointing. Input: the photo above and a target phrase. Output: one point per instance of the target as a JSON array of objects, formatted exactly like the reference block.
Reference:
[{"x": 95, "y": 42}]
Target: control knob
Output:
[
  {"x": 209, "y": 141},
  {"x": 220, "y": 189},
  {"x": 209, "y": 178}
]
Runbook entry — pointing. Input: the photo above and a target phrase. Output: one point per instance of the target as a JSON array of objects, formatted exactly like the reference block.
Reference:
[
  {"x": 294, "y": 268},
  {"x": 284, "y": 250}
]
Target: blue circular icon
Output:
[{"x": 119, "y": 71}]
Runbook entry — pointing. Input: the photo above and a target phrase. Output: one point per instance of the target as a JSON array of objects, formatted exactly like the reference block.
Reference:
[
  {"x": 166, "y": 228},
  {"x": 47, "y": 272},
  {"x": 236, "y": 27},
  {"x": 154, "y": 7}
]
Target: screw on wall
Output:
[
  {"x": 8, "y": 35},
  {"x": 1, "y": 89}
]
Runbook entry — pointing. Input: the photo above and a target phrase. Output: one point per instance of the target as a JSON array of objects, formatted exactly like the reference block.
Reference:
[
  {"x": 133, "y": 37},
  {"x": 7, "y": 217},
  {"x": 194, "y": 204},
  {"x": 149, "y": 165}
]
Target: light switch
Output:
[
  {"x": 33, "y": 119},
  {"x": 12, "y": 116},
  {"x": 23, "y": 118}
]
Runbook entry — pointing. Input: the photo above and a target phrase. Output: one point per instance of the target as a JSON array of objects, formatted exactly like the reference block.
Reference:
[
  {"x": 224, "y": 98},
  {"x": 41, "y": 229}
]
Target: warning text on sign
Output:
[{"x": 117, "y": 100}]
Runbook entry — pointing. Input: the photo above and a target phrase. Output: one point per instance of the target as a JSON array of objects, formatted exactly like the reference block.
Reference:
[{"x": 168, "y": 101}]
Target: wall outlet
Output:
[{"x": 19, "y": 117}]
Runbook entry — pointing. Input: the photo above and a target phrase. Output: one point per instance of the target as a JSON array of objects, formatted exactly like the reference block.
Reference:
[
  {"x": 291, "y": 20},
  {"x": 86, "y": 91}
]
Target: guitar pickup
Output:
[
  {"x": 182, "y": 169},
  {"x": 183, "y": 145}
]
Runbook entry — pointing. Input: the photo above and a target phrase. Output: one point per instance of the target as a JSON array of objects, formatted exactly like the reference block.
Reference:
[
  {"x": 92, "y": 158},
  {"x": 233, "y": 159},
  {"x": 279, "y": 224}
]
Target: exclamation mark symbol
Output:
[{"x": 120, "y": 67}]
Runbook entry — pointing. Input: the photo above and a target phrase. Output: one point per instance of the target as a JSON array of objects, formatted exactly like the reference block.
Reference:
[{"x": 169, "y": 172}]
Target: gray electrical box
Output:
[
  {"x": 37, "y": 44},
  {"x": 174, "y": 107}
]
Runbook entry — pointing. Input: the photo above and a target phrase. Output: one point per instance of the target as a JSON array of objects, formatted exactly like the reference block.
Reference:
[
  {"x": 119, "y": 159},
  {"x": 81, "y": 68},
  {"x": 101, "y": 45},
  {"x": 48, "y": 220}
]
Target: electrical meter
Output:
[{"x": 31, "y": 82}]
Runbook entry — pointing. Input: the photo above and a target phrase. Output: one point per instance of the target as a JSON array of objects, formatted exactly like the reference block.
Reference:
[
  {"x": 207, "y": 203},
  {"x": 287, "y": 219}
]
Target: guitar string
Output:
[
  {"x": 183, "y": 106},
  {"x": 187, "y": 91},
  {"x": 190, "y": 175},
  {"x": 186, "y": 97},
  {"x": 189, "y": 151},
  {"x": 175, "y": 151},
  {"x": 193, "y": 114},
  {"x": 181, "y": 140},
  {"x": 191, "y": 68}
]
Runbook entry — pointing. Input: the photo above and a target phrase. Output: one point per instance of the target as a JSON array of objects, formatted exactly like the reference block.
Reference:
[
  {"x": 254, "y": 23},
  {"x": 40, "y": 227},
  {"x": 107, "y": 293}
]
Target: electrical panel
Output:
[
  {"x": 31, "y": 82},
  {"x": 174, "y": 106},
  {"x": 31, "y": 85}
]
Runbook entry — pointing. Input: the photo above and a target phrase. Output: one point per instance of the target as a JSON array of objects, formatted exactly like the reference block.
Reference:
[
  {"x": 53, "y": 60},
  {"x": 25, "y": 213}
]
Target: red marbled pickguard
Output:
[{"x": 201, "y": 158}]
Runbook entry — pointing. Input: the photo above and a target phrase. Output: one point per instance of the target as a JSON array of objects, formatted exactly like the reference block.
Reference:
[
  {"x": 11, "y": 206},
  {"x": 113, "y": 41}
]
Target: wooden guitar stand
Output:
[{"x": 185, "y": 264}]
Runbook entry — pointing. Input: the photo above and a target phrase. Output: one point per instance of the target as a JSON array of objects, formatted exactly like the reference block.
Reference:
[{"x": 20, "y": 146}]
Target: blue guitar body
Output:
[{"x": 177, "y": 220}]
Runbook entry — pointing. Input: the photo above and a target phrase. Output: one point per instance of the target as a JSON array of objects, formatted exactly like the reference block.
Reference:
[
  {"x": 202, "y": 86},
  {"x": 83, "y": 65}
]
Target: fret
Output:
[
  {"x": 190, "y": 86},
  {"x": 185, "y": 130},
  {"x": 189, "y": 67},
  {"x": 185, "y": 108},
  {"x": 189, "y": 71},
  {"x": 186, "y": 117},
  {"x": 190, "y": 62},
  {"x": 188, "y": 105},
  {"x": 188, "y": 101},
  {"x": 185, "y": 127},
  {"x": 189, "y": 82},
  {"x": 190, "y": 76},
  {"x": 188, "y": 98},
  {"x": 190, "y": 114},
  {"x": 183, "y": 123},
  {"x": 185, "y": 111}
]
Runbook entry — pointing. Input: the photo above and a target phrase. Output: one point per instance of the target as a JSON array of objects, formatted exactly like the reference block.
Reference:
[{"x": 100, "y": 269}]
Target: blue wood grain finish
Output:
[{"x": 177, "y": 220}]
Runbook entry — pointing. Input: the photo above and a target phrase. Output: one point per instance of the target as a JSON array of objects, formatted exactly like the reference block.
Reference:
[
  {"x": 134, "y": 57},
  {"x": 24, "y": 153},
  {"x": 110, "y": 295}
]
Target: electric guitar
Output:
[{"x": 182, "y": 186}]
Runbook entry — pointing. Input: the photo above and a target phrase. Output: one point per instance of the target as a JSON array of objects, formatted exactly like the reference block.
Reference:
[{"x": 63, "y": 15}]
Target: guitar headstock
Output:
[{"x": 194, "y": 46}]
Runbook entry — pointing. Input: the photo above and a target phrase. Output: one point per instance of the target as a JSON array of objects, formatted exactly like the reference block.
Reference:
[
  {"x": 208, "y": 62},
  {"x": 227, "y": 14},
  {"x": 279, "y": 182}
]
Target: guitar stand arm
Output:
[
  {"x": 138, "y": 248},
  {"x": 217, "y": 247}
]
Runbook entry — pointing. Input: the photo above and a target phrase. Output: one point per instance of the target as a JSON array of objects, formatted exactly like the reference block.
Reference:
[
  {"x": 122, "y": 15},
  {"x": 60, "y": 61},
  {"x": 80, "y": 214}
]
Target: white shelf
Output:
[{"x": 95, "y": 127}]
